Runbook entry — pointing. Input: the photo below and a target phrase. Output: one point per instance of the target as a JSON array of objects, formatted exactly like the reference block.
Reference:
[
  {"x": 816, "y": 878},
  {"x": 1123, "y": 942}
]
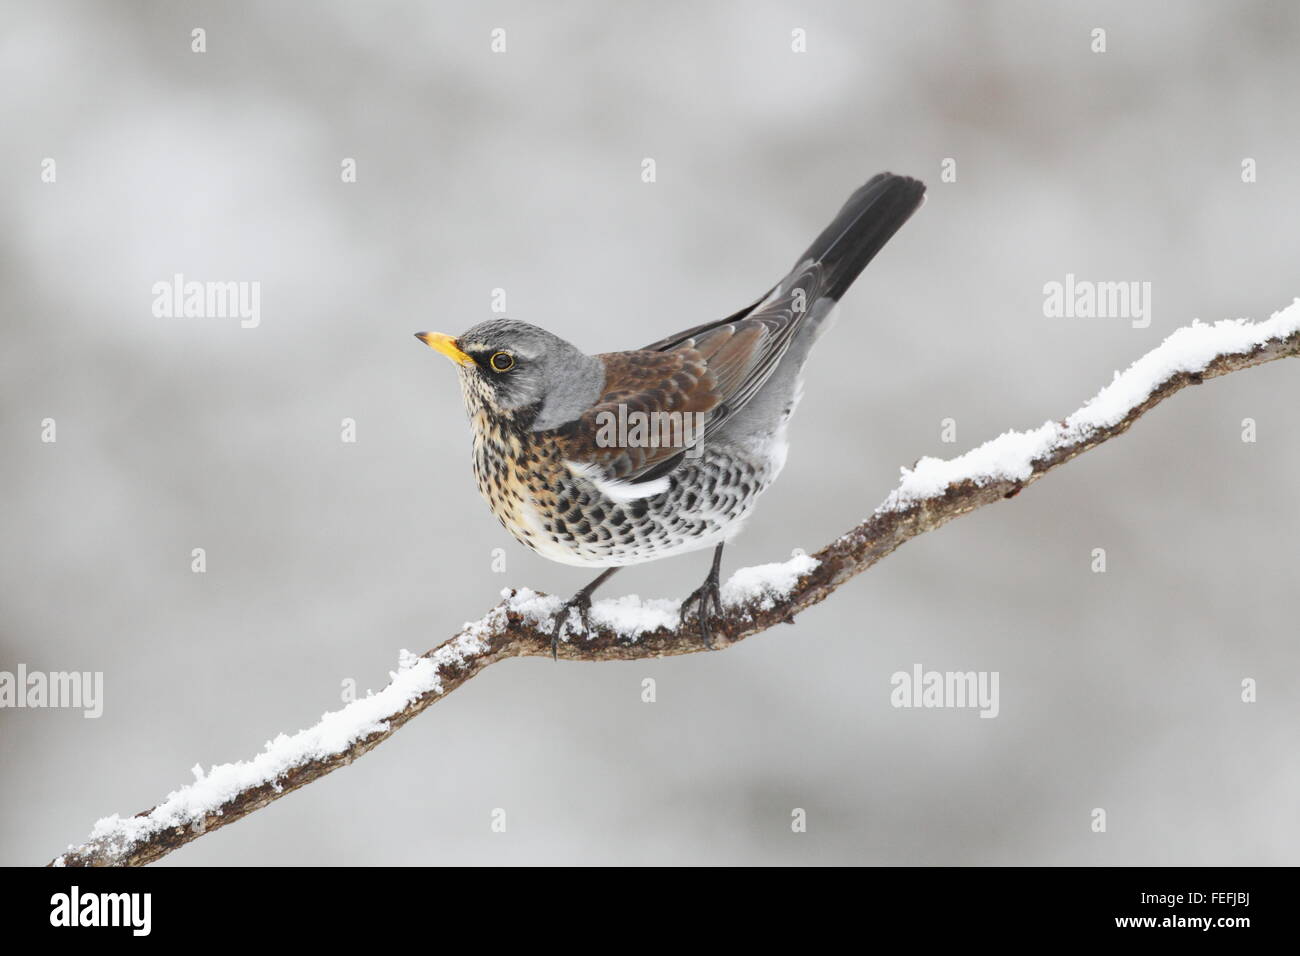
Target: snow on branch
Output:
[{"x": 930, "y": 494}]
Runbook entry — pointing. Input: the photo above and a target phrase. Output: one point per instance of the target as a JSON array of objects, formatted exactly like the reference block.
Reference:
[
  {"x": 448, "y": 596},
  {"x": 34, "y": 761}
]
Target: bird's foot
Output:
[
  {"x": 707, "y": 599},
  {"x": 580, "y": 602}
]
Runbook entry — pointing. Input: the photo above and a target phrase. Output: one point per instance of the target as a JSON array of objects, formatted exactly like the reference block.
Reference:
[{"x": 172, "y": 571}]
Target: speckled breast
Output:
[{"x": 566, "y": 518}]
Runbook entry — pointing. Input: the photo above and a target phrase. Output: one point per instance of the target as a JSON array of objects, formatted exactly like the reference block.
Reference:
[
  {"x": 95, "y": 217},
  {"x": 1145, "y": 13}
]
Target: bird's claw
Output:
[
  {"x": 580, "y": 603},
  {"x": 707, "y": 599}
]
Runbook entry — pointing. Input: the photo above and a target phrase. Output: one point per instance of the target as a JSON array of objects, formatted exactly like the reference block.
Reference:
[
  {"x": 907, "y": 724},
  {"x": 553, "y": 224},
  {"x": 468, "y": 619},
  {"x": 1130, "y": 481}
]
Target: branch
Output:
[{"x": 930, "y": 495}]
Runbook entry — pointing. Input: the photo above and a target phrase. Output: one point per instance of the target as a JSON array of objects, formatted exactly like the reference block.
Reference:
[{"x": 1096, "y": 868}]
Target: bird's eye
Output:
[{"x": 502, "y": 361}]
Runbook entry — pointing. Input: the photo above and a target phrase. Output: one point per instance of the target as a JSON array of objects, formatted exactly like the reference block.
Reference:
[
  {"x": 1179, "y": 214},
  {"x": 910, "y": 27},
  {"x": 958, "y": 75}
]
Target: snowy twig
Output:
[{"x": 930, "y": 494}]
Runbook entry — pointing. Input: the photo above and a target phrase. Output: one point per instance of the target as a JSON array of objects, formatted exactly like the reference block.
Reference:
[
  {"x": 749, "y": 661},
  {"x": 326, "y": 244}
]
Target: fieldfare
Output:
[{"x": 608, "y": 460}]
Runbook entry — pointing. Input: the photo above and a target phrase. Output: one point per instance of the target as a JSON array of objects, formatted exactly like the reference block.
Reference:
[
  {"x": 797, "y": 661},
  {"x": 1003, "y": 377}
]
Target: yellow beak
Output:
[{"x": 446, "y": 345}]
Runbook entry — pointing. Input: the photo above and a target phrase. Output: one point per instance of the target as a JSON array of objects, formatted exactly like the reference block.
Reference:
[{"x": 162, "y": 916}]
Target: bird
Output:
[{"x": 562, "y": 476}]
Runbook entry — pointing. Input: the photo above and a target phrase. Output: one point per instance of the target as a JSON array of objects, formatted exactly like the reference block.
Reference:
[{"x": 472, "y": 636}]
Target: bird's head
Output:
[{"x": 517, "y": 370}]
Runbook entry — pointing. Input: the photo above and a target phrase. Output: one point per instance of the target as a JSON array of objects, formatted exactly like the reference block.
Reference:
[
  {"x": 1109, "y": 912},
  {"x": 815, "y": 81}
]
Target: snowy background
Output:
[{"x": 522, "y": 171}]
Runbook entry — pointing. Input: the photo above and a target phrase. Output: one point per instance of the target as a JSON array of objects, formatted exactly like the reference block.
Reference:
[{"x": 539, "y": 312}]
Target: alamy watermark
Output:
[
  {"x": 1085, "y": 299},
  {"x": 61, "y": 689},
  {"x": 89, "y": 908},
  {"x": 178, "y": 298},
  {"x": 638, "y": 429},
  {"x": 956, "y": 689}
]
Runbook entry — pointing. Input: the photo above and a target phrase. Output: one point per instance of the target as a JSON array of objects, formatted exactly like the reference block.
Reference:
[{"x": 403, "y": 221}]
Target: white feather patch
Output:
[{"x": 613, "y": 488}]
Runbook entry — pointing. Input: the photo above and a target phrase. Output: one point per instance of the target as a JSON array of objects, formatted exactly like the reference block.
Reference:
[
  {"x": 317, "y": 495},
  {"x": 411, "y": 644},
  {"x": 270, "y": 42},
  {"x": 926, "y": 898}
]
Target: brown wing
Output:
[
  {"x": 743, "y": 352},
  {"x": 697, "y": 376},
  {"x": 749, "y": 346},
  {"x": 716, "y": 368},
  {"x": 827, "y": 268}
]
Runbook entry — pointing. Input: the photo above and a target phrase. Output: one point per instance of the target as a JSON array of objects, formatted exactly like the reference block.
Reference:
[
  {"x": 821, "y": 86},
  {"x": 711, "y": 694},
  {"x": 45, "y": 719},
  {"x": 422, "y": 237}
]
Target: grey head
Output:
[{"x": 515, "y": 369}]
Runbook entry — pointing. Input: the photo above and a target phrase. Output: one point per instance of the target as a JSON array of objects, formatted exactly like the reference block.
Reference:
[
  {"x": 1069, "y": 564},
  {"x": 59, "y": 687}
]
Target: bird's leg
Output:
[
  {"x": 707, "y": 599},
  {"x": 581, "y": 602}
]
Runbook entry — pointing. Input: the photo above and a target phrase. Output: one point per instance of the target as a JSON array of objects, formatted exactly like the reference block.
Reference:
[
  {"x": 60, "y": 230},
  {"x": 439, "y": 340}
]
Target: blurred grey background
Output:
[{"x": 521, "y": 171}]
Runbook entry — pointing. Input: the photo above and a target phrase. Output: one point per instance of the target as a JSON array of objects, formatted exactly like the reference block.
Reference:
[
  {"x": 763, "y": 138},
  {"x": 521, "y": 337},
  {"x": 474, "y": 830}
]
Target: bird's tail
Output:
[{"x": 867, "y": 221}]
